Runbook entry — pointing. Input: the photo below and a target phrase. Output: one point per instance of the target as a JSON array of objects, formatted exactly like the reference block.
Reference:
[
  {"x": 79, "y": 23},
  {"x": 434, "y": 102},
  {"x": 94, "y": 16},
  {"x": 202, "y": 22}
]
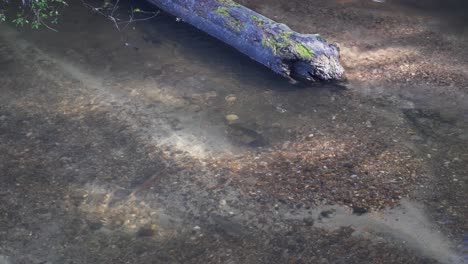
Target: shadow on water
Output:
[{"x": 226, "y": 61}]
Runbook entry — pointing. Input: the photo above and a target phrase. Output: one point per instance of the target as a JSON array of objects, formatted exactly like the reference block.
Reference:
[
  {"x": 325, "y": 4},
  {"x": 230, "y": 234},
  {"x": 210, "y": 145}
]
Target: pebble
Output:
[
  {"x": 281, "y": 109},
  {"x": 359, "y": 210},
  {"x": 196, "y": 108},
  {"x": 222, "y": 202},
  {"x": 232, "y": 118},
  {"x": 327, "y": 213},
  {"x": 308, "y": 221},
  {"x": 230, "y": 98},
  {"x": 276, "y": 125},
  {"x": 146, "y": 232}
]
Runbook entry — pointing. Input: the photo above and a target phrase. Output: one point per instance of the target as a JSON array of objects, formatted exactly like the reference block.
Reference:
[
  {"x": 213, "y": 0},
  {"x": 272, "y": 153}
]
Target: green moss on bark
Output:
[
  {"x": 228, "y": 3},
  {"x": 283, "y": 40},
  {"x": 229, "y": 19},
  {"x": 221, "y": 10}
]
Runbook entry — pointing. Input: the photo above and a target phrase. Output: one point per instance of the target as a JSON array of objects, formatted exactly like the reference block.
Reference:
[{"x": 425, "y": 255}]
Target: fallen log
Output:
[{"x": 291, "y": 54}]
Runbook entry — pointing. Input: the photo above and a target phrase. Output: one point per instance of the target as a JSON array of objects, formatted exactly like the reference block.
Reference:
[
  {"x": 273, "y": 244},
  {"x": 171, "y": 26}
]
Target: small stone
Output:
[
  {"x": 146, "y": 232},
  {"x": 308, "y": 221},
  {"x": 359, "y": 210},
  {"x": 276, "y": 125},
  {"x": 94, "y": 225},
  {"x": 210, "y": 95},
  {"x": 196, "y": 108},
  {"x": 222, "y": 202},
  {"x": 281, "y": 109},
  {"x": 230, "y": 98},
  {"x": 121, "y": 193},
  {"x": 327, "y": 213},
  {"x": 196, "y": 228},
  {"x": 232, "y": 118}
]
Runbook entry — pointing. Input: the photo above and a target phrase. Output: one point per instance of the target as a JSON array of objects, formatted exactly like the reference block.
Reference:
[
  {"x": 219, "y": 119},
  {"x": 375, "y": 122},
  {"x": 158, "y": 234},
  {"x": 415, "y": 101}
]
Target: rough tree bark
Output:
[{"x": 291, "y": 54}]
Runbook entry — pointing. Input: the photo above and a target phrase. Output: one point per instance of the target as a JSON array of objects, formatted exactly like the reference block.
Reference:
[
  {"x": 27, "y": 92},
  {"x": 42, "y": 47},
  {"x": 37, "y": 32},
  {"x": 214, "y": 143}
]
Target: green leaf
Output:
[{"x": 35, "y": 12}]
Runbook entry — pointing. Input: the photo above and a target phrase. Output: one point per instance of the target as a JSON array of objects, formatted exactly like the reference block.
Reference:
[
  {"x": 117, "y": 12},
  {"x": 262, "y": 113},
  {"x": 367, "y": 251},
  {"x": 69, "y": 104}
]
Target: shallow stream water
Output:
[{"x": 115, "y": 144}]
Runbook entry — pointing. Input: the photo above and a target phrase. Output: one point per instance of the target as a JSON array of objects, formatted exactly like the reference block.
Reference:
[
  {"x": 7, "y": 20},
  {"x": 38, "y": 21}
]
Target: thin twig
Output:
[{"x": 115, "y": 19}]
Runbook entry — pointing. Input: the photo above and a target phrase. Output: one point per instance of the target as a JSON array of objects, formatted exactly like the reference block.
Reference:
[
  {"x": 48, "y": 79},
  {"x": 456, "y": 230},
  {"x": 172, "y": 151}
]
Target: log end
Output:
[
  {"x": 322, "y": 67},
  {"x": 302, "y": 56}
]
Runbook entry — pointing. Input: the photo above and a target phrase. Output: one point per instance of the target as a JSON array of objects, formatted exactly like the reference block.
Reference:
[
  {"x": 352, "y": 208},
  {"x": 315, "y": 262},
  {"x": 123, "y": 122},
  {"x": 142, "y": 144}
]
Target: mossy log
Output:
[{"x": 291, "y": 54}]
